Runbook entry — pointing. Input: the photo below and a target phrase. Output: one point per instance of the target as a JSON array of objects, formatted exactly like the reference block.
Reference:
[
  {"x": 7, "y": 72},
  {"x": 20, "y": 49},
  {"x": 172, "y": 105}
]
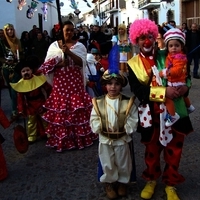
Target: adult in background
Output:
[
  {"x": 184, "y": 28},
  {"x": 47, "y": 37},
  {"x": 83, "y": 36},
  {"x": 26, "y": 44},
  {"x": 172, "y": 23},
  {"x": 193, "y": 48},
  {"x": 2, "y": 46},
  {"x": 68, "y": 106},
  {"x": 154, "y": 135},
  {"x": 33, "y": 32},
  {"x": 96, "y": 38},
  {"x": 12, "y": 43},
  {"x": 40, "y": 47},
  {"x": 13, "y": 53},
  {"x": 125, "y": 50}
]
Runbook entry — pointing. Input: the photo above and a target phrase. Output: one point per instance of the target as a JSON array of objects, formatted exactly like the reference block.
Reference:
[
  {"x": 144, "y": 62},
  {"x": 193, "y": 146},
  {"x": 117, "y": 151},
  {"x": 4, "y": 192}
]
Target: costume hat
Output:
[
  {"x": 174, "y": 34},
  {"x": 95, "y": 51},
  {"x": 113, "y": 68}
]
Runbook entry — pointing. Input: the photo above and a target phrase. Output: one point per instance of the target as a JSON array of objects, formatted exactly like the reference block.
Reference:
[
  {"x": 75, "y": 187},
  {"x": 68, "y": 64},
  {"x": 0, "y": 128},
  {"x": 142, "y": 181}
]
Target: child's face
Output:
[
  {"x": 174, "y": 46},
  {"x": 96, "y": 57},
  {"x": 113, "y": 88},
  {"x": 26, "y": 73}
]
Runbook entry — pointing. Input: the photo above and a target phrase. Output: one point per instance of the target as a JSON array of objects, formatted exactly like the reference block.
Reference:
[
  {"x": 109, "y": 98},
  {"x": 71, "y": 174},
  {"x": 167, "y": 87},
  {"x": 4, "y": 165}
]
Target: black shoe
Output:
[{"x": 196, "y": 76}]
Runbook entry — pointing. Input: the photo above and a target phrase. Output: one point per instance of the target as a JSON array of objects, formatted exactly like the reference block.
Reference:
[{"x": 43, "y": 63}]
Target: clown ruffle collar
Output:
[{"x": 29, "y": 85}]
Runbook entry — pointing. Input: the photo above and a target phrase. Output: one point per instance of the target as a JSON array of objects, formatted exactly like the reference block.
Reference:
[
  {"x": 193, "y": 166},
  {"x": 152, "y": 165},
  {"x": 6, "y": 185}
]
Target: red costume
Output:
[
  {"x": 32, "y": 95},
  {"x": 3, "y": 169}
]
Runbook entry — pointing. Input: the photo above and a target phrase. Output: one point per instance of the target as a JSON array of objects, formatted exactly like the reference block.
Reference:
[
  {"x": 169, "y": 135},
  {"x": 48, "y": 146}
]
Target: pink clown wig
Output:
[{"x": 142, "y": 27}]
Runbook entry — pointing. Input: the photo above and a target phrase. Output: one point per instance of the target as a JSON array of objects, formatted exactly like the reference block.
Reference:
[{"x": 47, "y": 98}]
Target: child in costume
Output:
[
  {"x": 3, "y": 169},
  {"x": 157, "y": 138},
  {"x": 176, "y": 70},
  {"x": 92, "y": 77},
  {"x": 114, "y": 117},
  {"x": 32, "y": 93}
]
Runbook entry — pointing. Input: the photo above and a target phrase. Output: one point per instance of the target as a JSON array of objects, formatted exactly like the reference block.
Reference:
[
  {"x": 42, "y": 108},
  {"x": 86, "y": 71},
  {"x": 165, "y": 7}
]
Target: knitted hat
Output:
[{"x": 174, "y": 34}]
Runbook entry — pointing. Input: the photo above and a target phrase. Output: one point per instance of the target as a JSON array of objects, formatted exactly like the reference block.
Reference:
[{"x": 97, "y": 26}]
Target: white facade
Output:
[
  {"x": 10, "y": 14},
  {"x": 132, "y": 12},
  {"x": 175, "y": 7}
]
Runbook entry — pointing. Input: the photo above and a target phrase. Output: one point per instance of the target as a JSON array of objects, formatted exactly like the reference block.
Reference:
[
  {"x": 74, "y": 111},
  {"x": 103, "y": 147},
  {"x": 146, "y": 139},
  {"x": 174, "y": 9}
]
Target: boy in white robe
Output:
[{"x": 114, "y": 117}]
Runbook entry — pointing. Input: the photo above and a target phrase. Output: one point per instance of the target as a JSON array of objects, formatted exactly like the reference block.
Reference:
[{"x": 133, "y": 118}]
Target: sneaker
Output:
[
  {"x": 110, "y": 191},
  {"x": 171, "y": 120},
  {"x": 122, "y": 189},
  {"x": 148, "y": 190},
  {"x": 191, "y": 109},
  {"x": 171, "y": 193}
]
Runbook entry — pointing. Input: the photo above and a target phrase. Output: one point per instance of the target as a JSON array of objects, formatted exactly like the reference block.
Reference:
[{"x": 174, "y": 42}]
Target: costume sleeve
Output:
[
  {"x": 95, "y": 122},
  {"x": 48, "y": 88},
  {"x": 145, "y": 93},
  {"x": 132, "y": 120},
  {"x": 179, "y": 66},
  {"x": 20, "y": 103},
  {"x": 4, "y": 120}
]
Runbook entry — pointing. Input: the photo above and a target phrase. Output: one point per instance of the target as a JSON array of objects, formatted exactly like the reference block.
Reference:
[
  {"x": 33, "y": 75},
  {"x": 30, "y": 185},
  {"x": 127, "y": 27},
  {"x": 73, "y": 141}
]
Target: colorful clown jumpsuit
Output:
[{"x": 140, "y": 80}]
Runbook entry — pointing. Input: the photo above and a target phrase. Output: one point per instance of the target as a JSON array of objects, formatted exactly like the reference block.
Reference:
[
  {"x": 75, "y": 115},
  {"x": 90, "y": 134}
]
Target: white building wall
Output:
[
  {"x": 10, "y": 14},
  {"x": 175, "y": 6},
  {"x": 131, "y": 12}
]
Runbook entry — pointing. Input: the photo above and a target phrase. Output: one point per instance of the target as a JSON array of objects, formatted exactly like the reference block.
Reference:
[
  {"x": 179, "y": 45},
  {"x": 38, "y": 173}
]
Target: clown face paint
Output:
[
  {"x": 146, "y": 43},
  {"x": 26, "y": 73}
]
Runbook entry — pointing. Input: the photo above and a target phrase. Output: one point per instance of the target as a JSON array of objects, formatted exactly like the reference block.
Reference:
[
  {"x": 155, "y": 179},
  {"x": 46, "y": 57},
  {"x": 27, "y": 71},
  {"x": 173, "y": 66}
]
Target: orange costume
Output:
[{"x": 176, "y": 74}]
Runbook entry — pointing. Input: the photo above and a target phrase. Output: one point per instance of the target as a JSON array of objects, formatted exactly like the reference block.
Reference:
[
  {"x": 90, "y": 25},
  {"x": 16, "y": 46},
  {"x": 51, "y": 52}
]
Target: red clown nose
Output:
[{"x": 148, "y": 43}]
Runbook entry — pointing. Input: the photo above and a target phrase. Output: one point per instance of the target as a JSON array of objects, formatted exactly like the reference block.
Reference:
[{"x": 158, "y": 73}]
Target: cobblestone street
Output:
[{"x": 43, "y": 174}]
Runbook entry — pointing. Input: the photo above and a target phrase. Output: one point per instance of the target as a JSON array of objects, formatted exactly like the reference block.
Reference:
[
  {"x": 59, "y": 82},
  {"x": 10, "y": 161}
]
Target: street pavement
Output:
[{"x": 44, "y": 174}]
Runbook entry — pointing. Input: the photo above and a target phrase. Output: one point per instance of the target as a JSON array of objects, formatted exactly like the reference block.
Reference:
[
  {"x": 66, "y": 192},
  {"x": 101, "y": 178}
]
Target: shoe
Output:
[
  {"x": 171, "y": 120},
  {"x": 122, "y": 189},
  {"x": 110, "y": 191},
  {"x": 148, "y": 190},
  {"x": 171, "y": 193},
  {"x": 190, "y": 109},
  {"x": 196, "y": 76}
]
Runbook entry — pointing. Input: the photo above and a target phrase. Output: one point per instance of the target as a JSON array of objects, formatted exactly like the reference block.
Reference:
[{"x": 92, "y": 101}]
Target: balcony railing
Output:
[{"x": 145, "y": 4}]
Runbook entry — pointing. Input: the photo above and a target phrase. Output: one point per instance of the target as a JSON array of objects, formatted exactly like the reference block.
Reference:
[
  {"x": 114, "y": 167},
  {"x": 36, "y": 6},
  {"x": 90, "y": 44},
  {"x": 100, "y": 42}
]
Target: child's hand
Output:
[{"x": 102, "y": 69}]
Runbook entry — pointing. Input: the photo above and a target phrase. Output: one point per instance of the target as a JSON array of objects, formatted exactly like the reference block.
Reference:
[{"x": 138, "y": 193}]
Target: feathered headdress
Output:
[{"x": 113, "y": 68}]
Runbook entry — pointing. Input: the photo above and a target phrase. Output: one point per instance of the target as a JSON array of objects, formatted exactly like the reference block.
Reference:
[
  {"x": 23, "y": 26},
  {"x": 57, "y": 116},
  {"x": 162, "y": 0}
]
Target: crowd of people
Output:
[{"x": 69, "y": 89}]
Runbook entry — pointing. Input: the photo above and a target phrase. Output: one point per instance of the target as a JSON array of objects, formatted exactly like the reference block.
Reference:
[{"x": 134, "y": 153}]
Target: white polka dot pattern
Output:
[{"x": 68, "y": 111}]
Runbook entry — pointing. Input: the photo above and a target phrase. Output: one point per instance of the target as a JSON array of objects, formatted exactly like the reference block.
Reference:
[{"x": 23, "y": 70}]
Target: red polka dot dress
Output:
[{"x": 68, "y": 109}]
